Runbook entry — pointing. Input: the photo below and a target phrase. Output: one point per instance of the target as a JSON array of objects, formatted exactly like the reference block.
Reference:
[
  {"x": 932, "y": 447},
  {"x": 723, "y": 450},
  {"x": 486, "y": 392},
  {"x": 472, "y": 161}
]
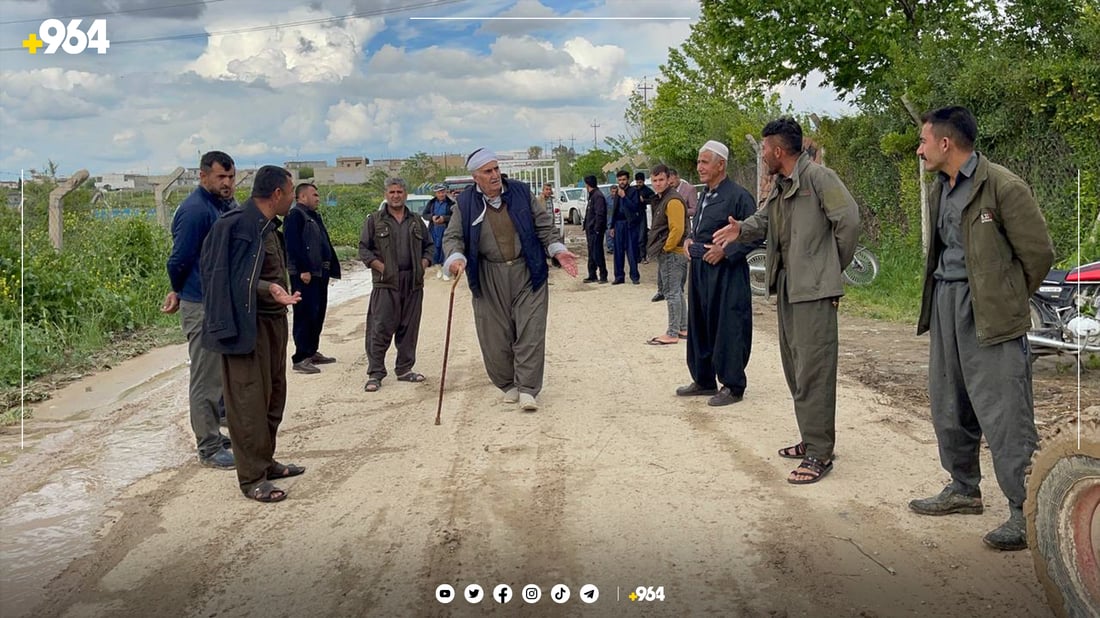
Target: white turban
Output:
[
  {"x": 717, "y": 148},
  {"x": 480, "y": 157}
]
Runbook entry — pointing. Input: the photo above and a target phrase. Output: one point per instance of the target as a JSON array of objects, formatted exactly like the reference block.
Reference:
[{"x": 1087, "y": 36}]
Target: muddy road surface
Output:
[{"x": 614, "y": 482}]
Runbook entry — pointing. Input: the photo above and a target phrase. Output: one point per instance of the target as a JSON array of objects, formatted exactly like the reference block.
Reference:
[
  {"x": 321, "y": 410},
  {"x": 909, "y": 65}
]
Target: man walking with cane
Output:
[{"x": 501, "y": 238}]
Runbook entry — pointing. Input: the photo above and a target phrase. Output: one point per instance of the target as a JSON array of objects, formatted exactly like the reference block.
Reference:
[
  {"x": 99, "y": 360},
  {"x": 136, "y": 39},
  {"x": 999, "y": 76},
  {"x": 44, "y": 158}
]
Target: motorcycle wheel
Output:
[
  {"x": 864, "y": 268},
  {"x": 758, "y": 271}
]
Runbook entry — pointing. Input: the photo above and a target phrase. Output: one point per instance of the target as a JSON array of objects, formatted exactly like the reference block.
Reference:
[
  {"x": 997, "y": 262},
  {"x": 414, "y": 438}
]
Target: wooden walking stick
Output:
[{"x": 446, "y": 349}]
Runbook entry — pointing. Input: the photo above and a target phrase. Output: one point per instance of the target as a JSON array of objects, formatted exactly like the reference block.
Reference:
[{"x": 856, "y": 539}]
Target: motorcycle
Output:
[
  {"x": 862, "y": 271},
  {"x": 1064, "y": 312}
]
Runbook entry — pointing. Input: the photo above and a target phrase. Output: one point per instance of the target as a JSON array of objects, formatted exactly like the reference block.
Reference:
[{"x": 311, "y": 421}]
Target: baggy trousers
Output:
[
  {"x": 597, "y": 261},
  {"x": 510, "y": 319},
  {"x": 255, "y": 395},
  {"x": 309, "y": 316},
  {"x": 808, "y": 347},
  {"x": 205, "y": 388},
  {"x": 394, "y": 316},
  {"x": 720, "y": 311},
  {"x": 672, "y": 271},
  {"x": 976, "y": 390},
  {"x": 626, "y": 246}
]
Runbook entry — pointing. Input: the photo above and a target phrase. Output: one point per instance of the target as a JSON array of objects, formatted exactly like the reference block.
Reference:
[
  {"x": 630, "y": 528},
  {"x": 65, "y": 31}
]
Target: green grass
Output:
[{"x": 895, "y": 293}]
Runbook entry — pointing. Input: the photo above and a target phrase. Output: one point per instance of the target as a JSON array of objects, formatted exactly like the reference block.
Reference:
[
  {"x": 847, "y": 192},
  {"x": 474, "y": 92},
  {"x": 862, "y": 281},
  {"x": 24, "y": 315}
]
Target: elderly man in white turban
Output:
[
  {"x": 502, "y": 239},
  {"x": 719, "y": 300}
]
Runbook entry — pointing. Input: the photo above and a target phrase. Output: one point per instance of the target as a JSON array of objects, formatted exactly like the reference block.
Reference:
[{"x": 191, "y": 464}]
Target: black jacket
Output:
[
  {"x": 595, "y": 215},
  {"x": 231, "y": 259},
  {"x": 308, "y": 247}
]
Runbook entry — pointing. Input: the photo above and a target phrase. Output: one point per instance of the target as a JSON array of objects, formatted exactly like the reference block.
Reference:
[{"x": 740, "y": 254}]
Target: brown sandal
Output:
[
  {"x": 811, "y": 467},
  {"x": 795, "y": 451}
]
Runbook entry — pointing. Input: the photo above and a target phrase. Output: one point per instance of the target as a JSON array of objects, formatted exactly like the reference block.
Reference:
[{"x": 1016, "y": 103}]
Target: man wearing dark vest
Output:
[
  {"x": 720, "y": 300},
  {"x": 501, "y": 238},
  {"x": 666, "y": 245}
]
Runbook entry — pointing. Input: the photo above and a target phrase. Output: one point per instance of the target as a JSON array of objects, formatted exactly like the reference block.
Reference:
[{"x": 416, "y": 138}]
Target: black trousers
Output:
[
  {"x": 254, "y": 387},
  {"x": 597, "y": 261},
  {"x": 309, "y": 315},
  {"x": 720, "y": 324}
]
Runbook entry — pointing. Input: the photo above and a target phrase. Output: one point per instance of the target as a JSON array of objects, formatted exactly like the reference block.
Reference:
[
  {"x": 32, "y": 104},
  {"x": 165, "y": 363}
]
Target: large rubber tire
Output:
[
  {"x": 1063, "y": 523},
  {"x": 758, "y": 273},
  {"x": 864, "y": 268}
]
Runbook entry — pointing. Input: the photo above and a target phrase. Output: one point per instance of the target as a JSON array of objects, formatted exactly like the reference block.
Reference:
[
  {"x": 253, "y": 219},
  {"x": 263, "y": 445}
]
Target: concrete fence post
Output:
[{"x": 59, "y": 192}]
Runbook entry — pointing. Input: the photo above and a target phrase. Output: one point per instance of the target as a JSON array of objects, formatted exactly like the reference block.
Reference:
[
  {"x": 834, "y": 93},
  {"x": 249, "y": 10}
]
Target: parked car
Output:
[
  {"x": 573, "y": 201},
  {"x": 415, "y": 202}
]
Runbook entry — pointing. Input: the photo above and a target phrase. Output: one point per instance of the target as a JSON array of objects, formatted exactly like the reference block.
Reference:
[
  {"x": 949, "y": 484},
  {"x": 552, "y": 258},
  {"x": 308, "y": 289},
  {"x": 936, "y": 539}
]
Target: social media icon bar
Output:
[
  {"x": 474, "y": 594},
  {"x": 532, "y": 593},
  {"x": 445, "y": 593},
  {"x": 559, "y": 593},
  {"x": 590, "y": 593},
  {"x": 502, "y": 593}
]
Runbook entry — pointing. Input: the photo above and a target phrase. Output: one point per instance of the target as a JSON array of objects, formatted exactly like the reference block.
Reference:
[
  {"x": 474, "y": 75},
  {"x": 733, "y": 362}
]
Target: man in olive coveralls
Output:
[{"x": 812, "y": 226}]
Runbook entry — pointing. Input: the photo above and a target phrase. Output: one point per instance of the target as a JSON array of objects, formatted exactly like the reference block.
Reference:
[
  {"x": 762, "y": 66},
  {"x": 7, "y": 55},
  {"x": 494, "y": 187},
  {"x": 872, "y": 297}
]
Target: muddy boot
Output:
[
  {"x": 1011, "y": 535},
  {"x": 948, "y": 502}
]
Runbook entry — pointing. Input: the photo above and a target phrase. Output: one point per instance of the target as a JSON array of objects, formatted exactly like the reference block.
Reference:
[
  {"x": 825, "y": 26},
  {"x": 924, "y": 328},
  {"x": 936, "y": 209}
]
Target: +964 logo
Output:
[{"x": 54, "y": 35}]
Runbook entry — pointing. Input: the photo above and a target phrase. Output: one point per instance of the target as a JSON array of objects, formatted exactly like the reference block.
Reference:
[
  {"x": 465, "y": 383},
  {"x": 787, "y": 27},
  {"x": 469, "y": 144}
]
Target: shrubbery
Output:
[{"x": 108, "y": 280}]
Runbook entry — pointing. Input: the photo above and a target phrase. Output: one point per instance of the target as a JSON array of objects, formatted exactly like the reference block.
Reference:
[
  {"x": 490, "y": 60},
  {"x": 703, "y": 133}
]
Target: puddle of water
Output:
[{"x": 43, "y": 531}]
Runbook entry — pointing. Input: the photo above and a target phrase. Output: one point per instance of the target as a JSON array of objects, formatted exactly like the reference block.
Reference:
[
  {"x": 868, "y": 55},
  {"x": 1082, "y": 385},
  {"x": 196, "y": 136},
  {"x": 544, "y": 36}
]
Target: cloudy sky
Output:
[{"x": 275, "y": 80}]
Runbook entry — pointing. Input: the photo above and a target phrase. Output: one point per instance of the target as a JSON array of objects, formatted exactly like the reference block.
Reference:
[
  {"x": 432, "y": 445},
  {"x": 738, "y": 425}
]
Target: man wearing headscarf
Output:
[{"x": 501, "y": 238}]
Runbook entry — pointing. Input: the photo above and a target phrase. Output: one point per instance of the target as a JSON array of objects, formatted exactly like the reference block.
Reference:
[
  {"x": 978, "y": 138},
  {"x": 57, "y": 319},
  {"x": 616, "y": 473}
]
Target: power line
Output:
[
  {"x": 304, "y": 22},
  {"x": 118, "y": 12}
]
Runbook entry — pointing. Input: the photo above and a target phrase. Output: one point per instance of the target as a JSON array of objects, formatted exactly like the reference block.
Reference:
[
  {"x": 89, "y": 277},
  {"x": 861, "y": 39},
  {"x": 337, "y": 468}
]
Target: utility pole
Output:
[
  {"x": 572, "y": 143},
  {"x": 645, "y": 88},
  {"x": 594, "y": 126}
]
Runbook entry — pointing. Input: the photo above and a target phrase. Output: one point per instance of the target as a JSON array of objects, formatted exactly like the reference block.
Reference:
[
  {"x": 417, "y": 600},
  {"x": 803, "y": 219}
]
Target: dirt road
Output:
[{"x": 613, "y": 482}]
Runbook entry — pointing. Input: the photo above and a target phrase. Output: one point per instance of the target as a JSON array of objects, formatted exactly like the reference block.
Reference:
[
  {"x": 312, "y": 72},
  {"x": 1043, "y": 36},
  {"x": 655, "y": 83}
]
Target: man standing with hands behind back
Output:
[
  {"x": 989, "y": 252},
  {"x": 812, "y": 226},
  {"x": 311, "y": 262}
]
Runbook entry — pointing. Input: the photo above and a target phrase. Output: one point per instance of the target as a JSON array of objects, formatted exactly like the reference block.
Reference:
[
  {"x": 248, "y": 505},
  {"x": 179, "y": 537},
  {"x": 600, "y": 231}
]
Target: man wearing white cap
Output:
[
  {"x": 719, "y": 298},
  {"x": 501, "y": 238},
  {"x": 812, "y": 226}
]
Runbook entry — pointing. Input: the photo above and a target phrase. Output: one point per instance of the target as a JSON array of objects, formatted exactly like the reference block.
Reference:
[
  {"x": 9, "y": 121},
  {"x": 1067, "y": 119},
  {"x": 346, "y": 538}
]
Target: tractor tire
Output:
[{"x": 1063, "y": 522}]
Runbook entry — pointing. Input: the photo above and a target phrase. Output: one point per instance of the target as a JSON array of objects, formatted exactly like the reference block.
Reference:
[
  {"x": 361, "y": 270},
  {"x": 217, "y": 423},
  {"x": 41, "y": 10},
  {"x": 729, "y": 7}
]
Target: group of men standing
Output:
[
  {"x": 976, "y": 311},
  {"x": 230, "y": 264},
  {"x": 229, "y": 270}
]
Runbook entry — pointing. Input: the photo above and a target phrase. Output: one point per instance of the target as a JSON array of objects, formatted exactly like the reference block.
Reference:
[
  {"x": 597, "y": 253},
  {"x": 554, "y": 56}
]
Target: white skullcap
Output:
[
  {"x": 717, "y": 148},
  {"x": 480, "y": 157}
]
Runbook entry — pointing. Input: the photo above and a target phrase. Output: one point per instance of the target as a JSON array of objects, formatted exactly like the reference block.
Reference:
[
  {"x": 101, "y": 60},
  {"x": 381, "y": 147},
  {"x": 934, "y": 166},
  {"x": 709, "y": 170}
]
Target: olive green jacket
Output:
[
  {"x": 824, "y": 231},
  {"x": 1008, "y": 252}
]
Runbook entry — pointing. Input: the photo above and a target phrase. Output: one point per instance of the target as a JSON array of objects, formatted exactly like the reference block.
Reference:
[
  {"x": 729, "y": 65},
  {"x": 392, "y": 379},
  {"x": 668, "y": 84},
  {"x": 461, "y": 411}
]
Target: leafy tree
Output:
[
  {"x": 592, "y": 162},
  {"x": 305, "y": 173},
  {"x": 420, "y": 168},
  {"x": 534, "y": 152}
]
